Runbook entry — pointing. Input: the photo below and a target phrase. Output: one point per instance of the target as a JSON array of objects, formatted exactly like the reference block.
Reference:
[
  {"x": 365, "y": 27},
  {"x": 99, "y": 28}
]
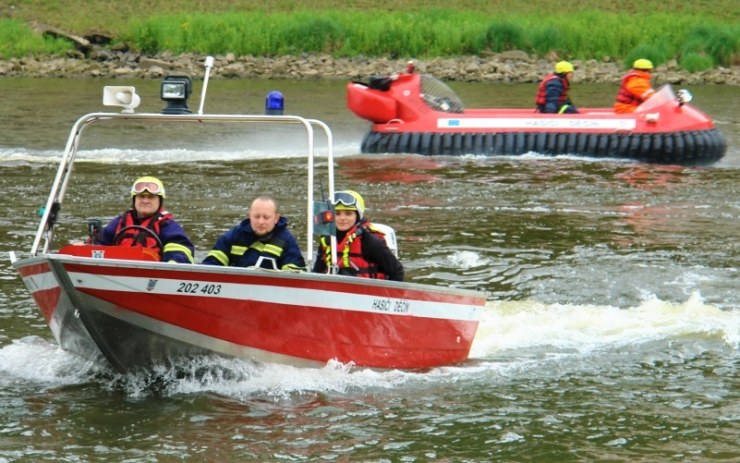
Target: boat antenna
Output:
[{"x": 209, "y": 65}]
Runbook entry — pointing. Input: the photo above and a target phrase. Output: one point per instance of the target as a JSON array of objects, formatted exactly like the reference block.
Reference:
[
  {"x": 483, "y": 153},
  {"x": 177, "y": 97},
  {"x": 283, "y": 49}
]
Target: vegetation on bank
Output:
[{"x": 699, "y": 35}]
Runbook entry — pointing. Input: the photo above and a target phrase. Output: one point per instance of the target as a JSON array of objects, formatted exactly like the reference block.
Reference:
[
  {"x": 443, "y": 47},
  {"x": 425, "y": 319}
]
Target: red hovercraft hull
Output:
[{"x": 418, "y": 114}]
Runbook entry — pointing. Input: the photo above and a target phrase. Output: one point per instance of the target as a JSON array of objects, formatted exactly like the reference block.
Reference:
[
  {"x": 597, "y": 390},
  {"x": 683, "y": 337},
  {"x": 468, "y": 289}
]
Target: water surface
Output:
[{"x": 611, "y": 332}]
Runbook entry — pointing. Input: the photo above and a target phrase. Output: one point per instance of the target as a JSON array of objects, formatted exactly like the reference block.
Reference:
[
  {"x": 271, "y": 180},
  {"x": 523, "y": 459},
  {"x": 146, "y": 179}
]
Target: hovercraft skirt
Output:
[{"x": 701, "y": 147}]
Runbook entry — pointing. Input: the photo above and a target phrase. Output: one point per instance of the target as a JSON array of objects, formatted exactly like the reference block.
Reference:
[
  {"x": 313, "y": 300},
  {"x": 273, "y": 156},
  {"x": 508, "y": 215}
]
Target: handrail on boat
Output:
[{"x": 46, "y": 226}]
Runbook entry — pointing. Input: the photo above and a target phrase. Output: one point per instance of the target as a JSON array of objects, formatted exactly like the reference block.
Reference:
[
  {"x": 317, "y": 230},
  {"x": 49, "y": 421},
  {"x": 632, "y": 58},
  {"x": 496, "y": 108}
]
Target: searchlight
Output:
[{"x": 176, "y": 90}]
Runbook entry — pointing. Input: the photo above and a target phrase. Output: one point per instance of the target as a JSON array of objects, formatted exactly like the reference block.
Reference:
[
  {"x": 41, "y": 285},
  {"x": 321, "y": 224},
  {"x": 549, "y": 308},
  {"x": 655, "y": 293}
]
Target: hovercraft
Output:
[{"x": 419, "y": 114}]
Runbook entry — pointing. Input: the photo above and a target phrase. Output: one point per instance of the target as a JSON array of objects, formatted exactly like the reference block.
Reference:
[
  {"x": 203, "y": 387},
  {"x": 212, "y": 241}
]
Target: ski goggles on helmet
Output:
[
  {"x": 151, "y": 187},
  {"x": 345, "y": 199}
]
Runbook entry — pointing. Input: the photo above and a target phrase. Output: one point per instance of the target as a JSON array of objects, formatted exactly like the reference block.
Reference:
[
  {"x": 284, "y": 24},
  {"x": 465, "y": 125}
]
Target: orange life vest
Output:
[
  {"x": 136, "y": 237},
  {"x": 349, "y": 253},
  {"x": 541, "y": 91},
  {"x": 624, "y": 95}
]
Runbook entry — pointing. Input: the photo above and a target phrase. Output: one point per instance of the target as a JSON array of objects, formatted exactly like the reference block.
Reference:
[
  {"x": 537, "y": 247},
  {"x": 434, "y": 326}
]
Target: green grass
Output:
[
  {"x": 17, "y": 39},
  {"x": 695, "y": 33}
]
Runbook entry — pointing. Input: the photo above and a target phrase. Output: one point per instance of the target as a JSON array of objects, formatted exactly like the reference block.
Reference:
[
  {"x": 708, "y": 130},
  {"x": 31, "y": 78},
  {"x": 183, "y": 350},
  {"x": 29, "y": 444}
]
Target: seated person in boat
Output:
[
  {"x": 147, "y": 224},
  {"x": 262, "y": 239},
  {"x": 635, "y": 87},
  {"x": 361, "y": 250},
  {"x": 552, "y": 94}
]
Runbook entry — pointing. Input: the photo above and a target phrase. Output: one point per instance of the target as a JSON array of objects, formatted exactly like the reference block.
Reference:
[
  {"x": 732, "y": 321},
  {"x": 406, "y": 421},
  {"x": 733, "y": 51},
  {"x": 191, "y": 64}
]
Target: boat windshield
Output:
[
  {"x": 438, "y": 96},
  {"x": 662, "y": 96}
]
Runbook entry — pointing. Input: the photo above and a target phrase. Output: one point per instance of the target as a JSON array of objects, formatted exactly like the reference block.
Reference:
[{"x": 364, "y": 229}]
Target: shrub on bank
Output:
[{"x": 587, "y": 34}]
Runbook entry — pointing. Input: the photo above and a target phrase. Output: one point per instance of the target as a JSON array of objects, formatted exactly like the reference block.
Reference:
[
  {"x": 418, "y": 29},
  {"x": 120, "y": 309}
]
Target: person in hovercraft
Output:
[
  {"x": 361, "y": 249},
  {"x": 261, "y": 240},
  {"x": 635, "y": 87},
  {"x": 147, "y": 224},
  {"x": 552, "y": 94}
]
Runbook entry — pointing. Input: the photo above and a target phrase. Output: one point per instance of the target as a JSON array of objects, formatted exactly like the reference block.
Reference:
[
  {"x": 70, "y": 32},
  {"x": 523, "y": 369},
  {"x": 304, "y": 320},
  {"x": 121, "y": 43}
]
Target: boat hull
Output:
[{"x": 139, "y": 314}]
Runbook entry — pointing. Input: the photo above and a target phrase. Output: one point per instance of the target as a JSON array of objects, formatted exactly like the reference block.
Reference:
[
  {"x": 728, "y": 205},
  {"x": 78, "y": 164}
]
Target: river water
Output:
[{"x": 611, "y": 333}]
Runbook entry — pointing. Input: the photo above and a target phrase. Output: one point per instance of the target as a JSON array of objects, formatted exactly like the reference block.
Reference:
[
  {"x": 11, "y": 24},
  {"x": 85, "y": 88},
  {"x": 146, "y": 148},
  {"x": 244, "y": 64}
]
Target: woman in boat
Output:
[
  {"x": 635, "y": 87},
  {"x": 361, "y": 249},
  {"x": 552, "y": 94},
  {"x": 147, "y": 224},
  {"x": 261, "y": 240}
]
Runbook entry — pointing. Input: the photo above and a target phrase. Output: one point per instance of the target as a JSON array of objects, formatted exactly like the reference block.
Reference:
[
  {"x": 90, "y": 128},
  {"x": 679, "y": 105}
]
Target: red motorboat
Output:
[
  {"x": 123, "y": 305},
  {"x": 419, "y": 114}
]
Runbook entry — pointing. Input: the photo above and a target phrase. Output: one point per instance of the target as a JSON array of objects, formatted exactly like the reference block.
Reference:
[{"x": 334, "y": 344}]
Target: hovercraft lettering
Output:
[{"x": 541, "y": 123}]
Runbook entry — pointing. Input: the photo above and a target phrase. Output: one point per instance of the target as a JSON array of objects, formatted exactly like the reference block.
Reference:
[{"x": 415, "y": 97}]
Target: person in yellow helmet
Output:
[
  {"x": 361, "y": 249},
  {"x": 147, "y": 224},
  {"x": 552, "y": 94},
  {"x": 635, "y": 87}
]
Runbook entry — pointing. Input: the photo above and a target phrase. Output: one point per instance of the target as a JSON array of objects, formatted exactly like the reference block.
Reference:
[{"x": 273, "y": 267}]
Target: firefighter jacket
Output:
[
  {"x": 240, "y": 247},
  {"x": 552, "y": 95}
]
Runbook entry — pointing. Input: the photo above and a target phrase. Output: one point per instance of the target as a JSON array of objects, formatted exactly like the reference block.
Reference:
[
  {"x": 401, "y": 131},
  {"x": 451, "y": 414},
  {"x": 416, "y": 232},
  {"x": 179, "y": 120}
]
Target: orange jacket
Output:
[{"x": 634, "y": 90}]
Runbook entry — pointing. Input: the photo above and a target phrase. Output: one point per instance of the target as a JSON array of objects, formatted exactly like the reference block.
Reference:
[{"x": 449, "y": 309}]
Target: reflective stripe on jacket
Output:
[{"x": 240, "y": 247}]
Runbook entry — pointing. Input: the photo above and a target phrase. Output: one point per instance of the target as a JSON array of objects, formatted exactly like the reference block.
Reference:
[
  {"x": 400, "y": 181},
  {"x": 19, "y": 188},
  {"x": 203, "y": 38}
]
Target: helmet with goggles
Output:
[
  {"x": 151, "y": 185},
  {"x": 348, "y": 200}
]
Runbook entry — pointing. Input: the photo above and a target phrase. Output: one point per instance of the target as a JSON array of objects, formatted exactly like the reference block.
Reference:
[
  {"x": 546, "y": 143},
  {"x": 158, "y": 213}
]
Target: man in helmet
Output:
[
  {"x": 147, "y": 224},
  {"x": 262, "y": 240},
  {"x": 361, "y": 249},
  {"x": 635, "y": 87},
  {"x": 552, "y": 94}
]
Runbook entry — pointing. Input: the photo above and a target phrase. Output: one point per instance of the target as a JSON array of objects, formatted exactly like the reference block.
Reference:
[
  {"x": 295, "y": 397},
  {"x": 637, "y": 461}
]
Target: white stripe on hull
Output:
[
  {"x": 535, "y": 123},
  {"x": 283, "y": 295}
]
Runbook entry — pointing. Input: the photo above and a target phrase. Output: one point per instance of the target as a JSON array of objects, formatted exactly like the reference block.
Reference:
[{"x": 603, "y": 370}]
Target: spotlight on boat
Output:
[
  {"x": 176, "y": 90},
  {"x": 122, "y": 96},
  {"x": 274, "y": 103}
]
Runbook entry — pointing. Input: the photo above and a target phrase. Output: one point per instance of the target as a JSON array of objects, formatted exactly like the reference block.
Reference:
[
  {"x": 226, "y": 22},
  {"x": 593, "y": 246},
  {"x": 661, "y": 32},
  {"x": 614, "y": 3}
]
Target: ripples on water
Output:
[{"x": 612, "y": 329}]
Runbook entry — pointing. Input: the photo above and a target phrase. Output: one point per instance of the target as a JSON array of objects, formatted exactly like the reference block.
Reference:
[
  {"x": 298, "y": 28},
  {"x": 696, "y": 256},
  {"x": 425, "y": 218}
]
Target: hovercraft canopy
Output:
[{"x": 438, "y": 96}]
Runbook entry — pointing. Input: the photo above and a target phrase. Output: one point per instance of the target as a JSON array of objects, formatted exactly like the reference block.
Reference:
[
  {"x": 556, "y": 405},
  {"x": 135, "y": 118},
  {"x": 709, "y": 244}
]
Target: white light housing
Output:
[
  {"x": 121, "y": 96},
  {"x": 683, "y": 96}
]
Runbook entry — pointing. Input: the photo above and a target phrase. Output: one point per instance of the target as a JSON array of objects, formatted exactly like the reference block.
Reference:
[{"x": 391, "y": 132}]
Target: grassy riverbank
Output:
[{"x": 699, "y": 35}]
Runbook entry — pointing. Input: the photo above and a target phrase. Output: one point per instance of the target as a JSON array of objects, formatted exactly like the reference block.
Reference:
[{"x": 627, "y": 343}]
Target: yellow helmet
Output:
[
  {"x": 151, "y": 184},
  {"x": 643, "y": 64},
  {"x": 563, "y": 67},
  {"x": 349, "y": 200}
]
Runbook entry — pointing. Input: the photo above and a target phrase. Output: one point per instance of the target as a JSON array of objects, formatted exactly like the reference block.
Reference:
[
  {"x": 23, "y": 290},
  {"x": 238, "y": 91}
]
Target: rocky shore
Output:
[{"x": 507, "y": 67}]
